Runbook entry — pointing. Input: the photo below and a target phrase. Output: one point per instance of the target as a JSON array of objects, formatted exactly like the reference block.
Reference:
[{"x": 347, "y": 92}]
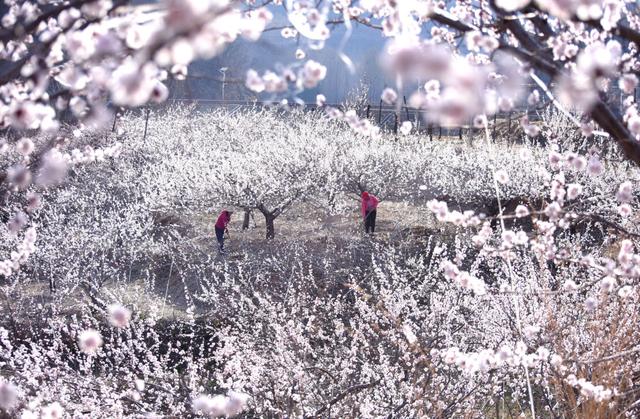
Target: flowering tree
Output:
[
  {"x": 584, "y": 48},
  {"x": 269, "y": 172}
]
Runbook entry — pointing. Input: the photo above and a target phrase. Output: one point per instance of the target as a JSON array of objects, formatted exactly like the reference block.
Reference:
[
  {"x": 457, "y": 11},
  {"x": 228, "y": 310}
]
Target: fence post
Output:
[
  {"x": 395, "y": 123},
  {"x": 406, "y": 108},
  {"x": 368, "y": 109},
  {"x": 146, "y": 124},
  {"x": 495, "y": 123},
  {"x": 430, "y": 132},
  {"x": 115, "y": 119},
  {"x": 440, "y": 132},
  {"x": 380, "y": 112},
  {"x": 509, "y": 125}
]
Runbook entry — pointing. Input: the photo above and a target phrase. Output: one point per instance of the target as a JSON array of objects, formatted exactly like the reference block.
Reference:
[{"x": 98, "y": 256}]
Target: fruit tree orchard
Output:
[{"x": 522, "y": 302}]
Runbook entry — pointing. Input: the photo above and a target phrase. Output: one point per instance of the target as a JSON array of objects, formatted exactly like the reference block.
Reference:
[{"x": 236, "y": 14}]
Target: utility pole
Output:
[{"x": 223, "y": 70}]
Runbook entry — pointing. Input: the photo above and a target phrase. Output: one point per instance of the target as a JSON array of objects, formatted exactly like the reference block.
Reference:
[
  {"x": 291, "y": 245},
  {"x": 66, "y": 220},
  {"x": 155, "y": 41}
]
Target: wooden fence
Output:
[{"x": 504, "y": 124}]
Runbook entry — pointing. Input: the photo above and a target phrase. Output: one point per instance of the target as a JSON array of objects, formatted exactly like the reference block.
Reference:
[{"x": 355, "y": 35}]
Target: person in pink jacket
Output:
[
  {"x": 221, "y": 227},
  {"x": 368, "y": 208}
]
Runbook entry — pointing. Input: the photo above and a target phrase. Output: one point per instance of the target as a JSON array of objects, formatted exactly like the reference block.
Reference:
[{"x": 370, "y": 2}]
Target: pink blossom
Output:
[
  {"x": 254, "y": 82},
  {"x": 573, "y": 190},
  {"x": 17, "y": 222},
  {"x": 53, "y": 168},
  {"x": 389, "y": 96},
  {"x": 273, "y": 82},
  {"x": 132, "y": 84},
  {"x": 579, "y": 163},
  {"x": 473, "y": 40},
  {"x": 52, "y": 411},
  {"x": 529, "y": 129},
  {"x": 408, "y": 57},
  {"x": 625, "y": 192},
  {"x": 119, "y": 316},
  {"x": 450, "y": 270},
  {"x": 159, "y": 93},
  {"x": 591, "y": 304},
  {"x": 531, "y": 331},
  {"x": 577, "y": 90},
  {"x": 534, "y": 98},
  {"x": 587, "y": 129},
  {"x": 594, "y": 167},
  {"x": 612, "y": 13},
  {"x": 554, "y": 158},
  {"x": 34, "y": 200},
  {"x": 288, "y": 33},
  {"x": 73, "y": 78},
  {"x": 624, "y": 210},
  {"x": 608, "y": 283},
  {"x": 598, "y": 60},
  {"x": 480, "y": 121},
  {"x": 219, "y": 405},
  {"x": 405, "y": 128},
  {"x": 628, "y": 83},
  {"x": 553, "y": 211},
  {"x": 334, "y": 113},
  {"x": 634, "y": 124},
  {"x": 625, "y": 292},
  {"x": 8, "y": 395},
  {"x": 570, "y": 285},
  {"x": 312, "y": 73},
  {"x": 89, "y": 341},
  {"x": 521, "y": 211},
  {"x": 501, "y": 176},
  {"x": 25, "y": 146},
  {"x": 23, "y": 115}
]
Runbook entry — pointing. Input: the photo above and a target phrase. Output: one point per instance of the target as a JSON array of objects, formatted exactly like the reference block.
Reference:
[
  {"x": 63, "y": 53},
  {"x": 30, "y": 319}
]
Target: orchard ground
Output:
[{"x": 399, "y": 224}]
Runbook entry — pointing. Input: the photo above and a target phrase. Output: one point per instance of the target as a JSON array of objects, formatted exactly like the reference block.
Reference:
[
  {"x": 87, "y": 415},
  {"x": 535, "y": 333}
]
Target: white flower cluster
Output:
[
  {"x": 608, "y": 12},
  {"x": 308, "y": 76},
  {"x": 463, "y": 278},
  {"x": 443, "y": 214},
  {"x": 21, "y": 254},
  {"x": 90, "y": 154},
  {"x": 595, "y": 64},
  {"x": 488, "y": 359},
  {"x": 219, "y": 405},
  {"x": 362, "y": 126},
  {"x": 588, "y": 390},
  {"x": 628, "y": 267}
]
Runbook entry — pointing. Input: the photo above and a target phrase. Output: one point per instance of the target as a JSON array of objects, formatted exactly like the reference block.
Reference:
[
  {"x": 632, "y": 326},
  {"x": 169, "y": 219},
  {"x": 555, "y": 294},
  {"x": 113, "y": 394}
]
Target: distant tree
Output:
[{"x": 268, "y": 173}]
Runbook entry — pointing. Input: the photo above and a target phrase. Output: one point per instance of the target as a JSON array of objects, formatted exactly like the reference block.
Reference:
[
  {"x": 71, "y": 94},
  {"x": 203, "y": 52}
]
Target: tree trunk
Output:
[{"x": 271, "y": 231}]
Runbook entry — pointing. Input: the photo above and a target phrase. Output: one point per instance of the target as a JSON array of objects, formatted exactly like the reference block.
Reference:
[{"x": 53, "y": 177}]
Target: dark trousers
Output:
[
  {"x": 370, "y": 221},
  {"x": 220, "y": 237}
]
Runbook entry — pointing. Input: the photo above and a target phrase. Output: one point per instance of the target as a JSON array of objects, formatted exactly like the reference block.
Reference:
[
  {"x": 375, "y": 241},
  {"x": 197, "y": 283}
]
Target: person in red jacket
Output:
[
  {"x": 221, "y": 227},
  {"x": 368, "y": 208}
]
